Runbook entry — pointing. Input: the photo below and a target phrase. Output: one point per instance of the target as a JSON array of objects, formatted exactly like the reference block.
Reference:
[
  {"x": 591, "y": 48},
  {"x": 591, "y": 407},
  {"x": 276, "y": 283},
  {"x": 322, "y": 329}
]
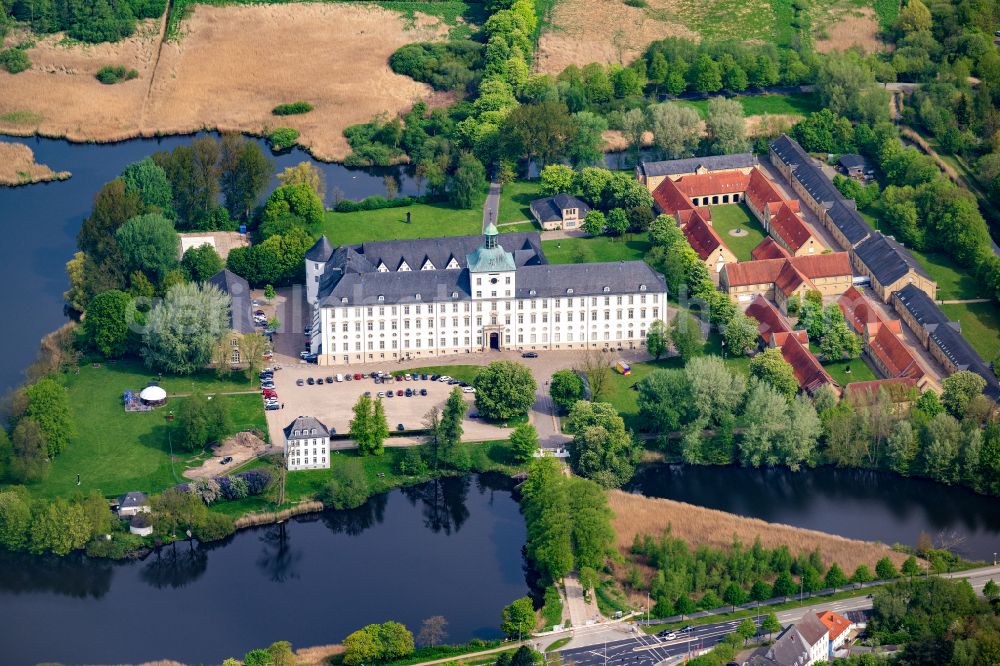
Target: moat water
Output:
[{"x": 451, "y": 548}]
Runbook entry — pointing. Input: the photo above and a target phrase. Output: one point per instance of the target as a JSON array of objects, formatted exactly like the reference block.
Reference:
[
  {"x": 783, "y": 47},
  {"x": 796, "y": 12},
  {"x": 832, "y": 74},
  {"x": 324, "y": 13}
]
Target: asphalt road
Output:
[{"x": 647, "y": 650}]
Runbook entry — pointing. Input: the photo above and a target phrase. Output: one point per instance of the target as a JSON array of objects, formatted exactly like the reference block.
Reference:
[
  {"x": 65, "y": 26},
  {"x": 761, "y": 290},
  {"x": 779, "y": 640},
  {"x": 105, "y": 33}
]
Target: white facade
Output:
[
  {"x": 357, "y": 334},
  {"x": 307, "y": 447}
]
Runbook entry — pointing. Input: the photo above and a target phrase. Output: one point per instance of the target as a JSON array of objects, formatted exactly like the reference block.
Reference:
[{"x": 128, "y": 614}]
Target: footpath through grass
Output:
[{"x": 115, "y": 451}]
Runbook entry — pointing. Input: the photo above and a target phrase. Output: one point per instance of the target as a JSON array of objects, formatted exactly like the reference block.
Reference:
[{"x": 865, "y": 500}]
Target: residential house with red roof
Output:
[
  {"x": 791, "y": 232},
  {"x": 769, "y": 249},
  {"x": 838, "y": 628},
  {"x": 706, "y": 243}
]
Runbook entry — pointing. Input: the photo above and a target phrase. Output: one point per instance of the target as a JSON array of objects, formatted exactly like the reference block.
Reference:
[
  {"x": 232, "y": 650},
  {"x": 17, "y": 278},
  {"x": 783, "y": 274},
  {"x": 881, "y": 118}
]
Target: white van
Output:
[{"x": 340, "y": 377}]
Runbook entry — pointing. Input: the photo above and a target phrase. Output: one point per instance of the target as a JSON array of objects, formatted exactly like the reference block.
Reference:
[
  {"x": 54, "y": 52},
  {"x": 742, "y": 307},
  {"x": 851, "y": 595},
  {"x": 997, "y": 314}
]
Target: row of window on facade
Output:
[
  {"x": 494, "y": 320},
  {"x": 533, "y": 338},
  {"x": 338, "y": 313}
]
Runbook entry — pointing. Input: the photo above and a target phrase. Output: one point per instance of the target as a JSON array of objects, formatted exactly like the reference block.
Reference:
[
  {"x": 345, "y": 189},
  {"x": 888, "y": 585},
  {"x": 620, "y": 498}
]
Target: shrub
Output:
[
  {"x": 14, "y": 60},
  {"x": 282, "y": 138},
  {"x": 445, "y": 66},
  {"x": 292, "y": 109},
  {"x": 109, "y": 74},
  {"x": 636, "y": 3},
  {"x": 375, "y": 202},
  {"x": 257, "y": 480}
]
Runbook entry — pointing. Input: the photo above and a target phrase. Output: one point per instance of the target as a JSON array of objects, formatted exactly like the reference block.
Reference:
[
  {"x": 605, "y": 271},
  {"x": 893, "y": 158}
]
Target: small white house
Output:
[
  {"x": 307, "y": 444},
  {"x": 140, "y": 524},
  {"x": 132, "y": 503}
]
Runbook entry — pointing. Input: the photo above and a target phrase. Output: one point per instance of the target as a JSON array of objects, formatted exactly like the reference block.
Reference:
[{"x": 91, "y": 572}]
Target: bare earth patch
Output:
[
  {"x": 18, "y": 166},
  {"x": 857, "y": 28},
  {"x": 242, "y": 447},
  {"x": 607, "y": 31},
  {"x": 638, "y": 515},
  {"x": 230, "y": 68}
]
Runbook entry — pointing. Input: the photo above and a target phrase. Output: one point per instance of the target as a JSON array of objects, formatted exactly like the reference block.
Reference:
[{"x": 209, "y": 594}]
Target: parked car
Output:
[
  {"x": 267, "y": 385},
  {"x": 381, "y": 394},
  {"x": 303, "y": 354},
  {"x": 368, "y": 394},
  {"x": 473, "y": 415},
  {"x": 469, "y": 389},
  {"x": 409, "y": 392},
  {"x": 434, "y": 378},
  {"x": 529, "y": 355},
  {"x": 340, "y": 377},
  {"x": 406, "y": 377},
  {"x": 329, "y": 380},
  {"x": 399, "y": 427},
  {"x": 443, "y": 378},
  {"x": 423, "y": 391},
  {"x": 226, "y": 460},
  {"x": 310, "y": 381},
  {"x": 258, "y": 312},
  {"x": 453, "y": 382},
  {"x": 348, "y": 377},
  {"x": 388, "y": 394},
  {"x": 299, "y": 382},
  {"x": 357, "y": 375},
  {"x": 271, "y": 408},
  {"x": 424, "y": 376},
  {"x": 399, "y": 378}
]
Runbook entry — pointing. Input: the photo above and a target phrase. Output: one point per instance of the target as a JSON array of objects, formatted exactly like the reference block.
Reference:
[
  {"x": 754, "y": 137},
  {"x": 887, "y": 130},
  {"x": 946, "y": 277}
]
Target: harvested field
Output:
[
  {"x": 859, "y": 28},
  {"x": 608, "y": 31},
  {"x": 18, "y": 166},
  {"x": 638, "y": 515},
  {"x": 232, "y": 65}
]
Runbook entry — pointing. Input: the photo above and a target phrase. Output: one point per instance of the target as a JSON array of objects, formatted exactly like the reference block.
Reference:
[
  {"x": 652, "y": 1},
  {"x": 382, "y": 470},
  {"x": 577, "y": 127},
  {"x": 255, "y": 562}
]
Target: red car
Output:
[
  {"x": 357, "y": 375},
  {"x": 269, "y": 393}
]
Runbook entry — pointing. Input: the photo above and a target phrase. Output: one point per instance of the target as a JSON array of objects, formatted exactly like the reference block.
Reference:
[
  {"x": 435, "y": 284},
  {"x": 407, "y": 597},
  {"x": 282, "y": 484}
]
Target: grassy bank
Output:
[{"x": 114, "y": 451}]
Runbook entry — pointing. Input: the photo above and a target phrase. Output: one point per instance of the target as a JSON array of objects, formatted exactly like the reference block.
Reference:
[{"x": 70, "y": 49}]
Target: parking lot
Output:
[{"x": 332, "y": 404}]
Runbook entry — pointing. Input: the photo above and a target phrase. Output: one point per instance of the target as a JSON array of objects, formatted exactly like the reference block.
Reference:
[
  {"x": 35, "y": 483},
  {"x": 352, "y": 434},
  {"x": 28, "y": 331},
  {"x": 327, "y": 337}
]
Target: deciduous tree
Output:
[
  {"x": 504, "y": 389},
  {"x": 182, "y": 330}
]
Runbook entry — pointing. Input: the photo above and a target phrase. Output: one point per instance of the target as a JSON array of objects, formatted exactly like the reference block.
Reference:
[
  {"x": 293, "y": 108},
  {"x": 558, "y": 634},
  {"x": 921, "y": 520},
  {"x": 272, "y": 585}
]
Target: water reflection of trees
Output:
[
  {"x": 353, "y": 522},
  {"x": 175, "y": 565},
  {"x": 443, "y": 503},
  {"x": 277, "y": 559},
  {"x": 73, "y": 576}
]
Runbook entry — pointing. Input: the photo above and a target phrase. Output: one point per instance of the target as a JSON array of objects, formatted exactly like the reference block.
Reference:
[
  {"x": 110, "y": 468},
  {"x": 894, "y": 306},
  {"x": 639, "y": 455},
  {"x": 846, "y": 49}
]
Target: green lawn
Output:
[
  {"x": 515, "y": 199},
  {"x": 954, "y": 281},
  {"x": 426, "y": 221},
  {"x": 980, "y": 326},
  {"x": 860, "y": 371},
  {"x": 621, "y": 394},
  {"x": 725, "y": 218},
  {"x": 115, "y": 452},
  {"x": 800, "y": 104},
  {"x": 598, "y": 248}
]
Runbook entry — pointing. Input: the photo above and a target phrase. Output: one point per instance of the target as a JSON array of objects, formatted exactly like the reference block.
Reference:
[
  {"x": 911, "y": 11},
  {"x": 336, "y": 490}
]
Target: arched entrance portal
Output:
[{"x": 495, "y": 341}]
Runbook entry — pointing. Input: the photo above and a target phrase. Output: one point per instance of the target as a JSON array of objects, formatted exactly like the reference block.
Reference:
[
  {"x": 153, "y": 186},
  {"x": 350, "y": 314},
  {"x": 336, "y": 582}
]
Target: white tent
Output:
[{"x": 153, "y": 394}]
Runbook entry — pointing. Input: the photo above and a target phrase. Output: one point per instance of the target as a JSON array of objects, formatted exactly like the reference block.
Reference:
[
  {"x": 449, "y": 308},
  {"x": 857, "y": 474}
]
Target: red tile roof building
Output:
[
  {"x": 837, "y": 627},
  {"x": 776, "y": 331},
  {"x": 769, "y": 249},
  {"x": 706, "y": 242},
  {"x": 881, "y": 337},
  {"x": 791, "y": 232},
  {"x": 760, "y": 192},
  {"x": 780, "y": 279}
]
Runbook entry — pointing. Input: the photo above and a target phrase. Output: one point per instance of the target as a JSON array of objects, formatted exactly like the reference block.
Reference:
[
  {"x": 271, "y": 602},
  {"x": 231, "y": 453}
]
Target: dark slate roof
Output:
[
  {"x": 238, "y": 290},
  {"x": 846, "y": 218},
  {"x": 550, "y": 281},
  {"x": 392, "y": 287},
  {"x": 789, "y": 649},
  {"x": 887, "y": 260},
  {"x": 852, "y": 161},
  {"x": 692, "y": 164},
  {"x": 550, "y": 209},
  {"x": 320, "y": 251},
  {"x": 440, "y": 251},
  {"x": 307, "y": 423},
  {"x": 811, "y": 628},
  {"x": 946, "y": 335},
  {"x": 133, "y": 499},
  {"x": 807, "y": 171}
]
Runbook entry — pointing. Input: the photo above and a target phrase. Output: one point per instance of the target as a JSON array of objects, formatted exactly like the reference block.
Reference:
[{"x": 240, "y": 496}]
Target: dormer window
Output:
[
  {"x": 403, "y": 266},
  {"x": 532, "y": 292},
  {"x": 382, "y": 268},
  {"x": 344, "y": 300},
  {"x": 417, "y": 297},
  {"x": 381, "y": 298},
  {"x": 313, "y": 431},
  {"x": 607, "y": 289},
  {"x": 453, "y": 264},
  {"x": 570, "y": 290},
  {"x": 642, "y": 287},
  {"x": 428, "y": 266},
  {"x": 454, "y": 294}
]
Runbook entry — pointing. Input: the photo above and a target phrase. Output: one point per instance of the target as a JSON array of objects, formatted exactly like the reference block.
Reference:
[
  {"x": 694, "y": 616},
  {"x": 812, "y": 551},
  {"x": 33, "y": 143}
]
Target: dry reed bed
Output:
[
  {"x": 232, "y": 65},
  {"x": 856, "y": 28},
  {"x": 18, "y": 166},
  {"x": 638, "y": 515},
  {"x": 607, "y": 31},
  {"x": 253, "y": 519}
]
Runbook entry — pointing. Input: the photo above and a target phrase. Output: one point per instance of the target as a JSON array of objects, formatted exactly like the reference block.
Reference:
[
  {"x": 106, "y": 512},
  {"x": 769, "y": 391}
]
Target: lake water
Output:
[
  {"x": 39, "y": 224},
  {"x": 873, "y": 506},
  {"x": 450, "y": 548}
]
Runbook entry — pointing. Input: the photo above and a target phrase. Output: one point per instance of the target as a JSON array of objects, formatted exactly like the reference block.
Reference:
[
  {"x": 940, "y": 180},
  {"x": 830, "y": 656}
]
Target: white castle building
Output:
[{"x": 388, "y": 300}]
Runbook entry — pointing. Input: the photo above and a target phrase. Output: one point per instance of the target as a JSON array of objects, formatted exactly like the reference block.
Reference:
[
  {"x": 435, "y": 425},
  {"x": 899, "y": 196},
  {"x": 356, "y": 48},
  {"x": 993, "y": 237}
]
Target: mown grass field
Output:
[
  {"x": 726, "y": 218},
  {"x": 860, "y": 371},
  {"x": 799, "y": 104},
  {"x": 596, "y": 249},
  {"x": 954, "y": 281},
  {"x": 116, "y": 452},
  {"x": 980, "y": 326},
  {"x": 515, "y": 199}
]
